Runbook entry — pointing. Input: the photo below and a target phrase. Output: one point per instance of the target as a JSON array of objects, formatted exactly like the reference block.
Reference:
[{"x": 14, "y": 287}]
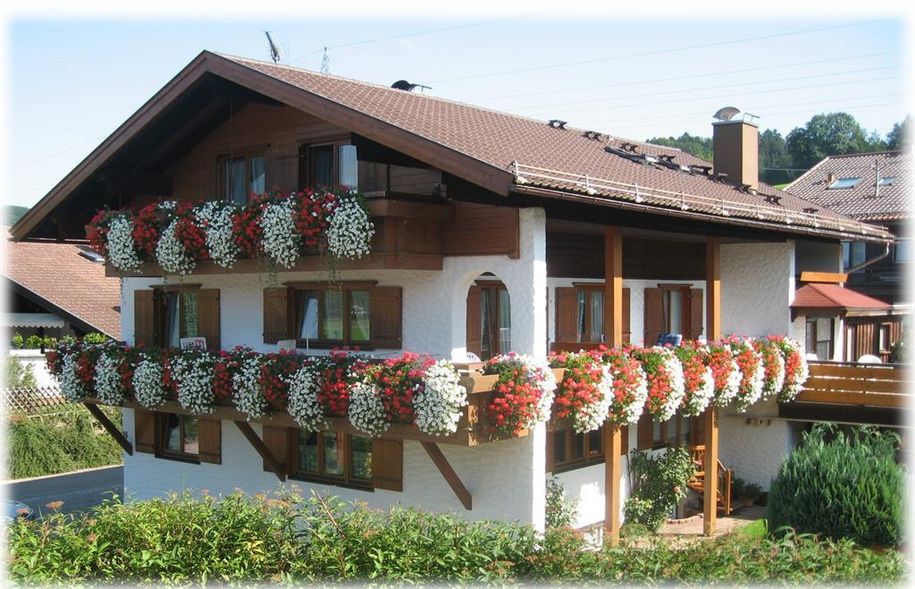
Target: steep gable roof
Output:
[
  {"x": 69, "y": 284},
  {"x": 501, "y": 152},
  {"x": 864, "y": 201},
  {"x": 833, "y": 296}
]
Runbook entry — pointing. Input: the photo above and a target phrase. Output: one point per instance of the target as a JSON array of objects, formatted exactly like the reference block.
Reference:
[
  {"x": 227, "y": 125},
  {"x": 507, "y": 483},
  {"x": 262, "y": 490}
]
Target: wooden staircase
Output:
[{"x": 725, "y": 475}]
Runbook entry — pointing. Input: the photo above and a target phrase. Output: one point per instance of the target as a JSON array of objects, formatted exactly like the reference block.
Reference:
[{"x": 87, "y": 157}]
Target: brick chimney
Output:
[{"x": 735, "y": 145}]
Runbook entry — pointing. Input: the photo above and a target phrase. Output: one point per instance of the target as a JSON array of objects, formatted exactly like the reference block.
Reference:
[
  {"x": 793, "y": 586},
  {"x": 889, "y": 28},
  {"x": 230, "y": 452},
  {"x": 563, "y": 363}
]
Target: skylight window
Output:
[
  {"x": 886, "y": 181},
  {"x": 850, "y": 182}
]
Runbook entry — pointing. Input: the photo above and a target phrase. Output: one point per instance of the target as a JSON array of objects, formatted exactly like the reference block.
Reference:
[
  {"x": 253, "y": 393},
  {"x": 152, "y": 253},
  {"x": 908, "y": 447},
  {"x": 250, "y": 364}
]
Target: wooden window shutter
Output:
[
  {"x": 386, "y": 317},
  {"x": 144, "y": 318},
  {"x": 474, "y": 321},
  {"x": 279, "y": 441},
  {"x": 144, "y": 430},
  {"x": 209, "y": 439},
  {"x": 208, "y": 317},
  {"x": 566, "y": 315},
  {"x": 696, "y": 303},
  {"x": 278, "y": 316},
  {"x": 645, "y": 432},
  {"x": 624, "y": 447},
  {"x": 654, "y": 316},
  {"x": 627, "y": 329},
  {"x": 387, "y": 464}
]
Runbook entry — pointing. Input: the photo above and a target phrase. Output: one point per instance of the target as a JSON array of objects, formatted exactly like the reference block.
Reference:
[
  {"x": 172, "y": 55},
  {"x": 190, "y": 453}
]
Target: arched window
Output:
[{"x": 488, "y": 318}]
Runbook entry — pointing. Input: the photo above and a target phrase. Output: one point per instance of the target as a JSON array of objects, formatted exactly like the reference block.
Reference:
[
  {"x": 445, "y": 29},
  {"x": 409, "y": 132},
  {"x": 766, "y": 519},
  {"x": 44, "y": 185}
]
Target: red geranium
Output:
[
  {"x": 274, "y": 370},
  {"x": 338, "y": 374},
  {"x": 398, "y": 380},
  {"x": 147, "y": 228},
  {"x": 578, "y": 388}
]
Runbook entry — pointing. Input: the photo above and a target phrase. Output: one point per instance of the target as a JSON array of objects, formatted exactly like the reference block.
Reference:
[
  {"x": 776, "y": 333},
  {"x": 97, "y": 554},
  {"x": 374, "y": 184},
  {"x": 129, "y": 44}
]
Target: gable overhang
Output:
[
  {"x": 43, "y": 221},
  {"x": 74, "y": 320}
]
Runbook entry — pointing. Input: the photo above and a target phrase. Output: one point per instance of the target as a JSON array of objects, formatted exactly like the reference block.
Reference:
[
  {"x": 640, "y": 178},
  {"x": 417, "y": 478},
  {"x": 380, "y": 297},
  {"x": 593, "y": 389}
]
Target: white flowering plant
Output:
[
  {"x": 796, "y": 367},
  {"x": 304, "y": 386},
  {"x": 244, "y": 366},
  {"x": 751, "y": 370},
  {"x": 629, "y": 386},
  {"x": 366, "y": 410},
  {"x": 216, "y": 219},
  {"x": 110, "y": 380},
  {"x": 585, "y": 391},
  {"x": 698, "y": 379},
  {"x": 148, "y": 381},
  {"x": 666, "y": 385},
  {"x": 441, "y": 401},
  {"x": 350, "y": 232},
  {"x": 193, "y": 373},
  {"x": 773, "y": 366}
]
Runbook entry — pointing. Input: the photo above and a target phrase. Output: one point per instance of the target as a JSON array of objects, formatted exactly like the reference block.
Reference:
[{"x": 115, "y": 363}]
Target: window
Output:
[
  {"x": 568, "y": 450},
  {"x": 673, "y": 301},
  {"x": 328, "y": 165},
  {"x": 580, "y": 314},
  {"x": 321, "y": 315},
  {"x": 848, "y": 182},
  {"x": 901, "y": 251},
  {"x": 886, "y": 181},
  {"x": 590, "y": 314},
  {"x": 673, "y": 309},
  {"x": 853, "y": 253},
  {"x": 178, "y": 436},
  {"x": 488, "y": 319},
  {"x": 883, "y": 338},
  {"x": 333, "y": 457},
  {"x": 677, "y": 431},
  {"x": 819, "y": 337},
  {"x": 241, "y": 176},
  {"x": 165, "y": 314}
]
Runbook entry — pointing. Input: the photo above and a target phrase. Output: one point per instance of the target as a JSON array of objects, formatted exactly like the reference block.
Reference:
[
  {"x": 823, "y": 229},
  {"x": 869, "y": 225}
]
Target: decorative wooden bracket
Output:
[
  {"x": 112, "y": 429},
  {"x": 444, "y": 467},
  {"x": 245, "y": 428}
]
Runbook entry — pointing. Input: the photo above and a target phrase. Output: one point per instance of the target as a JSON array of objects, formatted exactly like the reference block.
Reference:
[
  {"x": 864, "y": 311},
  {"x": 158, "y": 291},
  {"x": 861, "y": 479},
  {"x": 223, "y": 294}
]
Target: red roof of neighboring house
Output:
[
  {"x": 833, "y": 296},
  {"x": 58, "y": 274}
]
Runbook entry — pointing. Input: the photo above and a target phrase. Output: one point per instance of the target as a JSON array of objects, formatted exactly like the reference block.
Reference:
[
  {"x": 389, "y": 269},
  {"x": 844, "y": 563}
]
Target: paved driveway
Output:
[{"x": 78, "y": 490}]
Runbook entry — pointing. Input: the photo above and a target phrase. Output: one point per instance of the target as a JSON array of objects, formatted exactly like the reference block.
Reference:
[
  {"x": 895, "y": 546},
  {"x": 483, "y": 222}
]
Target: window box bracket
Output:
[
  {"x": 112, "y": 429},
  {"x": 245, "y": 428},
  {"x": 451, "y": 477}
]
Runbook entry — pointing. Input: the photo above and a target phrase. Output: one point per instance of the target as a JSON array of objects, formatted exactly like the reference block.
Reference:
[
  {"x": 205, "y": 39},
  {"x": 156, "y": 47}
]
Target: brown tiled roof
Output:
[
  {"x": 499, "y": 139},
  {"x": 833, "y": 296},
  {"x": 892, "y": 203},
  {"x": 59, "y": 275}
]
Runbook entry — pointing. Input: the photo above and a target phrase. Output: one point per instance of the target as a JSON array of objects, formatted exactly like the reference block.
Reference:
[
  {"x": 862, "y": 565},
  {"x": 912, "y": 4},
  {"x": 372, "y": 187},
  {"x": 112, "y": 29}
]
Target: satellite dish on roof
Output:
[{"x": 726, "y": 114}]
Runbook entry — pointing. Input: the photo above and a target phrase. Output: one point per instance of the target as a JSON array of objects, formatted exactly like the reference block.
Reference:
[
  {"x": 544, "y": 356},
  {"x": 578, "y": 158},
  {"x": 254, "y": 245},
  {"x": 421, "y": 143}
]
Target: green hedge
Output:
[
  {"x": 287, "y": 538},
  {"x": 841, "y": 486},
  {"x": 58, "y": 443}
]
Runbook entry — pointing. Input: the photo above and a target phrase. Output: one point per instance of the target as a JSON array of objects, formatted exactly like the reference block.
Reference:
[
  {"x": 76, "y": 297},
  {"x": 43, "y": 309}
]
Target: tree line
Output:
[{"x": 782, "y": 159}]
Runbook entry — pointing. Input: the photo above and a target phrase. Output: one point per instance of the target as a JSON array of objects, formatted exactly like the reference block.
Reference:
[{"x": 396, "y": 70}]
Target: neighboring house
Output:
[
  {"x": 873, "y": 188},
  {"x": 494, "y": 232},
  {"x": 55, "y": 290}
]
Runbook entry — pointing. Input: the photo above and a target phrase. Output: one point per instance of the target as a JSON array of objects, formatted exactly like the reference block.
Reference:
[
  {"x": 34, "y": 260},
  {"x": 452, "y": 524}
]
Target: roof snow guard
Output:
[{"x": 631, "y": 196}]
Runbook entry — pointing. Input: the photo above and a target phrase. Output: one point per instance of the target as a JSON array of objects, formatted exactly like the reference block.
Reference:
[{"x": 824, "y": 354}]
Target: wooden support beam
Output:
[
  {"x": 112, "y": 429},
  {"x": 451, "y": 477},
  {"x": 713, "y": 332},
  {"x": 613, "y": 337},
  {"x": 245, "y": 428}
]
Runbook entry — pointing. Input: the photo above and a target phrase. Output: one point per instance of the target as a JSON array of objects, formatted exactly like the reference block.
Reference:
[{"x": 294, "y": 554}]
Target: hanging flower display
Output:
[
  {"x": 146, "y": 230},
  {"x": 193, "y": 373},
  {"x": 665, "y": 380},
  {"x": 72, "y": 378},
  {"x": 439, "y": 403},
  {"x": 773, "y": 366},
  {"x": 350, "y": 233},
  {"x": 171, "y": 253},
  {"x": 398, "y": 380},
  {"x": 148, "y": 387},
  {"x": 796, "y": 368},
  {"x": 630, "y": 386},
  {"x": 279, "y": 238},
  {"x": 311, "y": 216},
  {"x": 122, "y": 252},
  {"x": 338, "y": 376},
  {"x": 107, "y": 378},
  {"x": 216, "y": 219},
  {"x": 304, "y": 407},
  {"x": 246, "y": 227},
  {"x": 585, "y": 391},
  {"x": 366, "y": 409},
  {"x": 725, "y": 373},
  {"x": 245, "y": 367},
  {"x": 523, "y": 393},
  {"x": 274, "y": 385},
  {"x": 752, "y": 372},
  {"x": 698, "y": 379}
]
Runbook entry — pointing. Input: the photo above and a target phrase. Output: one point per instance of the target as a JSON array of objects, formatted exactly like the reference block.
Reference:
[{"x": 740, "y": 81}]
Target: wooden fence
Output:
[
  {"x": 849, "y": 383},
  {"x": 31, "y": 401}
]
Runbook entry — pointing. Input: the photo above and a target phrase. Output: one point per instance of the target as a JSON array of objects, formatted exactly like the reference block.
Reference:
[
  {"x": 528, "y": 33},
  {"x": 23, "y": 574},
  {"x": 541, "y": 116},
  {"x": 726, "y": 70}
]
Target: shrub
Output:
[
  {"x": 33, "y": 342},
  {"x": 560, "y": 510},
  {"x": 19, "y": 375},
  {"x": 659, "y": 484},
  {"x": 841, "y": 486},
  {"x": 94, "y": 337},
  {"x": 57, "y": 443},
  {"x": 16, "y": 342}
]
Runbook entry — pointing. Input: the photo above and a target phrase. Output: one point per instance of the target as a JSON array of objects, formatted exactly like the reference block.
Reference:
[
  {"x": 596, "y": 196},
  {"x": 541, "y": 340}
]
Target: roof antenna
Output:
[
  {"x": 274, "y": 52},
  {"x": 325, "y": 63}
]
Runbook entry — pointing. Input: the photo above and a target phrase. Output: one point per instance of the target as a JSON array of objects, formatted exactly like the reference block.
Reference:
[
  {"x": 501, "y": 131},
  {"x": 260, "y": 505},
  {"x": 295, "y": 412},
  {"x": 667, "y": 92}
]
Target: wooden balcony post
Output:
[
  {"x": 613, "y": 330},
  {"x": 713, "y": 332}
]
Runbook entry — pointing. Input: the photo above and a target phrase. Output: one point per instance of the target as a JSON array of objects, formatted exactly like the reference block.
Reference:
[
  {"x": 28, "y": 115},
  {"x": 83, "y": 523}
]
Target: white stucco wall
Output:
[
  {"x": 434, "y": 322},
  {"x": 757, "y": 286},
  {"x": 754, "y": 443}
]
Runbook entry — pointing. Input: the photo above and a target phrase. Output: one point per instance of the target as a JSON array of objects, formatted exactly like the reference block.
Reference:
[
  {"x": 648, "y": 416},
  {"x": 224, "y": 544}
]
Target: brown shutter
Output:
[
  {"x": 144, "y": 430},
  {"x": 278, "y": 440},
  {"x": 645, "y": 432},
  {"x": 209, "y": 439},
  {"x": 208, "y": 317},
  {"x": 624, "y": 447},
  {"x": 474, "y": 321},
  {"x": 696, "y": 327},
  {"x": 278, "y": 316},
  {"x": 144, "y": 318},
  {"x": 386, "y": 317},
  {"x": 566, "y": 315},
  {"x": 654, "y": 316},
  {"x": 627, "y": 328},
  {"x": 387, "y": 464}
]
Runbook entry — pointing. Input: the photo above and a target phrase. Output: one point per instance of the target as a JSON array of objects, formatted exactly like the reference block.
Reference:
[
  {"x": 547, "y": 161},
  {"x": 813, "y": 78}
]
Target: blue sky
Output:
[{"x": 71, "y": 82}]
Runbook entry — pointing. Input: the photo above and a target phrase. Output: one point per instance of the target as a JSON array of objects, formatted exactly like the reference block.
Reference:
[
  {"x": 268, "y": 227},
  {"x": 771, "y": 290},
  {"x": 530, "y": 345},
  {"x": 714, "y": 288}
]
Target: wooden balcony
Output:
[{"x": 866, "y": 385}]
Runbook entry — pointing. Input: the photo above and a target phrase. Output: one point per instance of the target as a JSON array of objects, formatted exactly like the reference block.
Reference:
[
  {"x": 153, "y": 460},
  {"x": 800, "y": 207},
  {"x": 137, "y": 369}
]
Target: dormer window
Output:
[
  {"x": 886, "y": 181},
  {"x": 848, "y": 182}
]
